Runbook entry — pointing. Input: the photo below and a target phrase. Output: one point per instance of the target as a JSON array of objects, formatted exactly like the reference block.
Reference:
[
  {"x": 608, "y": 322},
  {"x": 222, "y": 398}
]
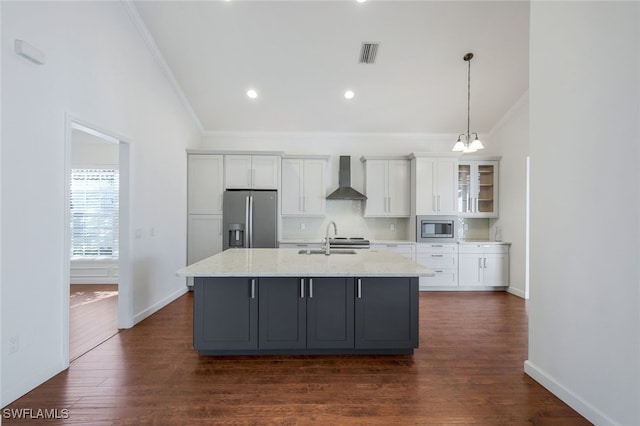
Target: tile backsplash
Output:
[{"x": 348, "y": 216}]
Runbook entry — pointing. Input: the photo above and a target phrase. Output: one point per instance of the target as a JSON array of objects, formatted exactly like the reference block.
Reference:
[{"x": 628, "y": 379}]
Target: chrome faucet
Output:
[{"x": 327, "y": 249}]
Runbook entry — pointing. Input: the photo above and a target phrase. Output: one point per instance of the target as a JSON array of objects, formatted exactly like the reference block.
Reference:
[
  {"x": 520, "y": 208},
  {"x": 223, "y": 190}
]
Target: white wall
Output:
[
  {"x": 99, "y": 70},
  {"x": 584, "y": 321},
  {"x": 510, "y": 139}
]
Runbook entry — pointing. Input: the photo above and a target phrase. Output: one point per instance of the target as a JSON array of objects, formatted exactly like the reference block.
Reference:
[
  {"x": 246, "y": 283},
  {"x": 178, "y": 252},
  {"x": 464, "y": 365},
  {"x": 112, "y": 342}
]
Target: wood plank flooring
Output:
[
  {"x": 468, "y": 370},
  {"x": 93, "y": 316}
]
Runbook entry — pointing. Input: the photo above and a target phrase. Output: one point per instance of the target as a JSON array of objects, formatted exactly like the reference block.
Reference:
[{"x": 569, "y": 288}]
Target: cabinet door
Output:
[
  {"x": 314, "y": 189},
  {"x": 205, "y": 183},
  {"x": 292, "y": 187},
  {"x": 399, "y": 185},
  {"x": 486, "y": 189},
  {"x": 426, "y": 203},
  {"x": 376, "y": 188},
  {"x": 264, "y": 172},
  {"x": 204, "y": 236},
  {"x": 470, "y": 269},
  {"x": 496, "y": 270},
  {"x": 447, "y": 186},
  {"x": 330, "y": 313},
  {"x": 282, "y": 312},
  {"x": 238, "y": 171},
  {"x": 225, "y": 314},
  {"x": 386, "y": 313},
  {"x": 465, "y": 196},
  {"x": 478, "y": 188}
]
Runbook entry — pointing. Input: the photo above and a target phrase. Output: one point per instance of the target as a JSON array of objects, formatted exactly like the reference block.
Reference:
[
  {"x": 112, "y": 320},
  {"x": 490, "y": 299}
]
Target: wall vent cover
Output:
[{"x": 368, "y": 52}]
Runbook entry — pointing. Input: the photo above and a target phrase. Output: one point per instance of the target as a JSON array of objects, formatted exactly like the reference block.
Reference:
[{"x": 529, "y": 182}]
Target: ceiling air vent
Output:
[{"x": 368, "y": 53}]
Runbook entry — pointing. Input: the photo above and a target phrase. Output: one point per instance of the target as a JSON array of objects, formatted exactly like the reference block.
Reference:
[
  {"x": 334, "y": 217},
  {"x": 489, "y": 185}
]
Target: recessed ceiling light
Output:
[
  {"x": 252, "y": 93},
  {"x": 361, "y": 1},
  {"x": 349, "y": 94}
]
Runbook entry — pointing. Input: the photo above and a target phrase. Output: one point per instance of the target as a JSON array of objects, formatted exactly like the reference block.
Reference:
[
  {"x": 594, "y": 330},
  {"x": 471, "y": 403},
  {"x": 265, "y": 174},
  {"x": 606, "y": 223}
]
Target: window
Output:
[{"x": 94, "y": 213}]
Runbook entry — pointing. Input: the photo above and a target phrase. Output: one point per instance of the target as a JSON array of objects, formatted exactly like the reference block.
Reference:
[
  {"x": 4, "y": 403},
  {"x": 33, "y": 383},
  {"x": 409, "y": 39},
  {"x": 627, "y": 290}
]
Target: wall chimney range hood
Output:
[{"x": 345, "y": 191}]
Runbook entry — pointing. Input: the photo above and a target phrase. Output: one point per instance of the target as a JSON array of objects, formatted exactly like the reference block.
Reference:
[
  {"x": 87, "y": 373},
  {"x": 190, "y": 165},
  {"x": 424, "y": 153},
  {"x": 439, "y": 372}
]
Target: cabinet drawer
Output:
[
  {"x": 437, "y": 261},
  {"x": 442, "y": 278},
  {"x": 484, "y": 248},
  {"x": 436, "y": 248}
]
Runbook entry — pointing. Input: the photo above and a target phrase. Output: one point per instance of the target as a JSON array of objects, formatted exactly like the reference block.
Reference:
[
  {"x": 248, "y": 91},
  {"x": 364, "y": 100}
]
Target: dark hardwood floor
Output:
[{"x": 468, "y": 370}]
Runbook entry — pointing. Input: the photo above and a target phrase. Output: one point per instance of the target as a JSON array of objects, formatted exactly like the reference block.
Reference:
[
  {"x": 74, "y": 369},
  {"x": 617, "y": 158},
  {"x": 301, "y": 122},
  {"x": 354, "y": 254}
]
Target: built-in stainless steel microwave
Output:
[{"x": 440, "y": 229}]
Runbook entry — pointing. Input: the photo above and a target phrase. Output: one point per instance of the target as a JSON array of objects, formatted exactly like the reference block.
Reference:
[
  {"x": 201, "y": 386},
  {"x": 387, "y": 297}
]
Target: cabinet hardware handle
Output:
[
  {"x": 437, "y": 255},
  {"x": 253, "y": 177},
  {"x": 389, "y": 203},
  {"x": 310, "y": 288},
  {"x": 485, "y": 263},
  {"x": 253, "y": 288},
  {"x": 436, "y": 245},
  {"x": 440, "y": 271},
  {"x": 433, "y": 203},
  {"x": 301, "y": 288},
  {"x": 438, "y": 203},
  {"x": 359, "y": 288}
]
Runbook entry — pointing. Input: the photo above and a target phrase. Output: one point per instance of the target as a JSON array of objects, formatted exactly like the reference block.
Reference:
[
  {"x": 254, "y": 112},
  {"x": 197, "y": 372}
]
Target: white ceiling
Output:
[{"x": 301, "y": 56}]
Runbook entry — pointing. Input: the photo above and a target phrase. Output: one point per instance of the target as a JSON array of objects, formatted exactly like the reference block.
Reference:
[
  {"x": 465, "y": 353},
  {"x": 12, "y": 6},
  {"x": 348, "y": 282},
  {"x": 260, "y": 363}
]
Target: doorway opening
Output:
[{"x": 98, "y": 297}]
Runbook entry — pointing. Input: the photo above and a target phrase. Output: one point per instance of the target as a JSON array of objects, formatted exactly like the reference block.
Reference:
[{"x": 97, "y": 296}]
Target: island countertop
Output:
[{"x": 282, "y": 262}]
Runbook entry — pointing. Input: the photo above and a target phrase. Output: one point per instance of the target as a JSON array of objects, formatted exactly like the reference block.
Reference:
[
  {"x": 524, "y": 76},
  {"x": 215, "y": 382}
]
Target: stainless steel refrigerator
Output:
[{"x": 249, "y": 219}]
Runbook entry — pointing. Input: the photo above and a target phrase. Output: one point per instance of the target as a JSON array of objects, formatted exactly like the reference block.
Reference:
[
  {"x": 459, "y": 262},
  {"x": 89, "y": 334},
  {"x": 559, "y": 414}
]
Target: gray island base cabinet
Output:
[{"x": 307, "y": 315}]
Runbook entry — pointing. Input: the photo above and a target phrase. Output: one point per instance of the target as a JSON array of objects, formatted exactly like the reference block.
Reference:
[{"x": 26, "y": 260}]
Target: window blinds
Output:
[{"x": 94, "y": 213}]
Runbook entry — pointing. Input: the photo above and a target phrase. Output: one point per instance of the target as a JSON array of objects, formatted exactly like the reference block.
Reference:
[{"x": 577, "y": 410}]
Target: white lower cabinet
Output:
[
  {"x": 483, "y": 265},
  {"x": 443, "y": 260}
]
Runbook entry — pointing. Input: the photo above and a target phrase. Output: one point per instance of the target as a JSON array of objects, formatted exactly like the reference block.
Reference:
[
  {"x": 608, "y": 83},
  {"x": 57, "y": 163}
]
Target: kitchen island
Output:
[{"x": 285, "y": 301}]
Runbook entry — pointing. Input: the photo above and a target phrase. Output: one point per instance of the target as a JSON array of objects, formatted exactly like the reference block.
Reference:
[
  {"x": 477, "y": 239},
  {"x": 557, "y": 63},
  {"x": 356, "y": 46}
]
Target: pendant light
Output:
[{"x": 464, "y": 143}]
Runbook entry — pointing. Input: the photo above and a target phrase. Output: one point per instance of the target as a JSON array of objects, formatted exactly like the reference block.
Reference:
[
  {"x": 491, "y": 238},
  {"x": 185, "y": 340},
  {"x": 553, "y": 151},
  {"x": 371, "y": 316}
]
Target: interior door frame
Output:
[{"x": 125, "y": 281}]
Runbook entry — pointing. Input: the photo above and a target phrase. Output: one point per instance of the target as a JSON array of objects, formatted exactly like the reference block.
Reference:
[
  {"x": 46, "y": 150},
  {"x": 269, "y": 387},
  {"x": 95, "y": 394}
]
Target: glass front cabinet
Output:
[{"x": 478, "y": 188}]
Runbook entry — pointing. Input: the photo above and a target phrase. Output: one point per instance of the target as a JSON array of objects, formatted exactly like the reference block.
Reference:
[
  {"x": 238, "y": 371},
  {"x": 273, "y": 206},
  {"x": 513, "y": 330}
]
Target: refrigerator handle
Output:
[
  {"x": 251, "y": 221},
  {"x": 247, "y": 228}
]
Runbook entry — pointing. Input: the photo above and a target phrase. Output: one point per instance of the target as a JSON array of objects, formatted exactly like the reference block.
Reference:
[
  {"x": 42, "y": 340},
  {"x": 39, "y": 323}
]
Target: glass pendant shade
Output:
[{"x": 476, "y": 144}]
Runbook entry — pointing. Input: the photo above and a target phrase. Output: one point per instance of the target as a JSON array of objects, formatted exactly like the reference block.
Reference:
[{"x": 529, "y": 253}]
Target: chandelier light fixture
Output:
[{"x": 465, "y": 143}]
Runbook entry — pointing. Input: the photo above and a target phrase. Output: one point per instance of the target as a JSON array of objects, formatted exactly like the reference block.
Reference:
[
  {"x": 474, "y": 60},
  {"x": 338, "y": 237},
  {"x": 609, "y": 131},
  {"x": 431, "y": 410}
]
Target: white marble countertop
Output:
[{"x": 269, "y": 262}]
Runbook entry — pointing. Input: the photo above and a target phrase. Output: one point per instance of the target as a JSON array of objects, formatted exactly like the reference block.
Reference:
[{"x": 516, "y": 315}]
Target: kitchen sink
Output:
[{"x": 333, "y": 251}]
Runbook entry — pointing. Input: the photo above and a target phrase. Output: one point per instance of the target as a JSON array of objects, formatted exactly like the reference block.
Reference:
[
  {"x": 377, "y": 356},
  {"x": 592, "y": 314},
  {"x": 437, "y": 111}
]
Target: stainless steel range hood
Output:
[{"x": 345, "y": 191}]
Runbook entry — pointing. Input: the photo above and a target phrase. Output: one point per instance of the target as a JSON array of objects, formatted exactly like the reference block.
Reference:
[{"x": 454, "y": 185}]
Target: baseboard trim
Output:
[
  {"x": 517, "y": 292},
  {"x": 573, "y": 400},
  {"x": 157, "y": 306}
]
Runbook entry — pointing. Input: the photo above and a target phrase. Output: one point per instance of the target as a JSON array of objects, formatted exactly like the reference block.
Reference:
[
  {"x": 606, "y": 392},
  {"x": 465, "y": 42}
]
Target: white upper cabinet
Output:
[
  {"x": 205, "y": 183},
  {"x": 478, "y": 188},
  {"x": 251, "y": 171},
  {"x": 303, "y": 186},
  {"x": 436, "y": 184},
  {"x": 387, "y": 187}
]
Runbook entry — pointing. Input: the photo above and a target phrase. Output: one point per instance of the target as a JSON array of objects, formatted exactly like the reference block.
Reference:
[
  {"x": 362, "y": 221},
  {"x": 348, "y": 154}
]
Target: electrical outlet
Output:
[
  {"x": 14, "y": 345},
  {"x": 302, "y": 226},
  {"x": 392, "y": 227}
]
